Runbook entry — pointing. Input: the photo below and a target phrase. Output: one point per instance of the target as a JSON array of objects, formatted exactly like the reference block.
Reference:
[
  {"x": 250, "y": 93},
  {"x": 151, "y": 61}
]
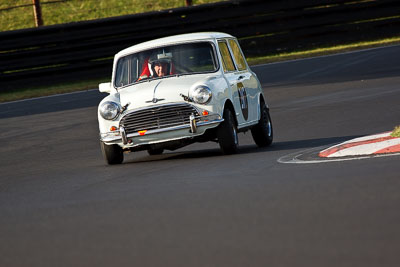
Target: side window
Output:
[
  {"x": 127, "y": 71},
  {"x": 237, "y": 54},
  {"x": 226, "y": 57},
  {"x": 122, "y": 73}
]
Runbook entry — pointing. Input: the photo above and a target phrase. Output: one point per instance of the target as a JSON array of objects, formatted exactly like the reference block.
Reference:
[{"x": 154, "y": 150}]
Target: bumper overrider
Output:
[{"x": 160, "y": 124}]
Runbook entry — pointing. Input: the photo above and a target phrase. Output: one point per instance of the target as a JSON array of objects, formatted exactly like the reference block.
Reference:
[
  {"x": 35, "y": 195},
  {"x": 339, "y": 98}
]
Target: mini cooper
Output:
[{"x": 171, "y": 92}]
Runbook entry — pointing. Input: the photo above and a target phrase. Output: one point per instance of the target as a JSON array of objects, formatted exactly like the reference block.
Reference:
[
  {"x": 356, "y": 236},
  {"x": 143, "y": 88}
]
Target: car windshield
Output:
[{"x": 189, "y": 58}]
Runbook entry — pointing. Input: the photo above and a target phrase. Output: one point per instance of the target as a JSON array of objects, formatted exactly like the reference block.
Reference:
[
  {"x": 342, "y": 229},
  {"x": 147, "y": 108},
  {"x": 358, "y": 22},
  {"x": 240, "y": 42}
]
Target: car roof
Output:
[{"x": 181, "y": 38}]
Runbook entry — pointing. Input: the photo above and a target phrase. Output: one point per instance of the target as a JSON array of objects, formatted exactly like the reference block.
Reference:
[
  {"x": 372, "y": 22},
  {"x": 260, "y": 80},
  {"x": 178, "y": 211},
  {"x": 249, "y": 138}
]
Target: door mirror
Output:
[{"x": 105, "y": 87}]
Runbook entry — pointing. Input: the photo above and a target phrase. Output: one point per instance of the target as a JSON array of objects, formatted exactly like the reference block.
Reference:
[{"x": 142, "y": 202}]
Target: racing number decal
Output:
[{"x": 243, "y": 100}]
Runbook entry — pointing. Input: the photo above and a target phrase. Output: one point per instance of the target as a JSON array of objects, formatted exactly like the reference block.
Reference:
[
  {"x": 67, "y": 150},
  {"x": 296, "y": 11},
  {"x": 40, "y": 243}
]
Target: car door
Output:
[
  {"x": 247, "y": 84},
  {"x": 235, "y": 80}
]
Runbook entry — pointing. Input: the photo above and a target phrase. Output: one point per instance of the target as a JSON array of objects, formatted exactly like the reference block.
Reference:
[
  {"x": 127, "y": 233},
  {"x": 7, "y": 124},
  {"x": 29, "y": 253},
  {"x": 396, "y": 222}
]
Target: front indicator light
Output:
[{"x": 210, "y": 117}]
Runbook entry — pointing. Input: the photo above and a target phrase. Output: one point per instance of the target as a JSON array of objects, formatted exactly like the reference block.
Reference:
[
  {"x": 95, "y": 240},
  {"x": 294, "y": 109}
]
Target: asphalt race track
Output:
[{"x": 61, "y": 205}]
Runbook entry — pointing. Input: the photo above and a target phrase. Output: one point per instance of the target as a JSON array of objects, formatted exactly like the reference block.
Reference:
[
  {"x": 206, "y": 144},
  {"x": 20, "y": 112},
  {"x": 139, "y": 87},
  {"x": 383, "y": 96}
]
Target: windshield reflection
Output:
[{"x": 174, "y": 60}]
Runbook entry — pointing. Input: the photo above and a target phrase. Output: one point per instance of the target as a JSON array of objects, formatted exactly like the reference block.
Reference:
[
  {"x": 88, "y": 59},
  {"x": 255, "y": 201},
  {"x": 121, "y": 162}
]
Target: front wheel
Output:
[
  {"x": 113, "y": 154},
  {"x": 227, "y": 134},
  {"x": 262, "y": 132}
]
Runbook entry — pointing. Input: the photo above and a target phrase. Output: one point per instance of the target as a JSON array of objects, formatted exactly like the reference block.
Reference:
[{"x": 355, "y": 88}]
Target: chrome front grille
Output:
[{"x": 158, "y": 117}]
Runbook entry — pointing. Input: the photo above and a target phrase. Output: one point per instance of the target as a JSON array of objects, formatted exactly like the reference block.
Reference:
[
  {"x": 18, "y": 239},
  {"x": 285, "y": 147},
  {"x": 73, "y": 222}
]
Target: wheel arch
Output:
[
  {"x": 261, "y": 100},
  {"x": 229, "y": 105}
]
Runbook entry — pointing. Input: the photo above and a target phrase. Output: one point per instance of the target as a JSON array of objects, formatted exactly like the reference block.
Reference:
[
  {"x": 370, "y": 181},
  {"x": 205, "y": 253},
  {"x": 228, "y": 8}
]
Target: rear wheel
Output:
[
  {"x": 262, "y": 132},
  {"x": 113, "y": 154},
  {"x": 227, "y": 134}
]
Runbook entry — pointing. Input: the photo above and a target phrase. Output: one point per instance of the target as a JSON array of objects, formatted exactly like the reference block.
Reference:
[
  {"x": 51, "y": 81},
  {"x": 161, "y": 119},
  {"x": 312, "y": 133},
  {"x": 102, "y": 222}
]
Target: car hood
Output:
[{"x": 161, "y": 91}]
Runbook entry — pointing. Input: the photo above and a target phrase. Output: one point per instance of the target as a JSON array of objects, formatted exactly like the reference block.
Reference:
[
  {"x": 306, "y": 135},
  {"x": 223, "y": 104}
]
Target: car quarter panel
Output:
[{"x": 105, "y": 125}]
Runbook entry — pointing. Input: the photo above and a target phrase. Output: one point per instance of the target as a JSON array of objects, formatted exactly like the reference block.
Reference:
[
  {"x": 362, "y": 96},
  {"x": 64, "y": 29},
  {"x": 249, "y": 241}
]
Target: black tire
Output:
[
  {"x": 113, "y": 154},
  {"x": 153, "y": 152},
  {"x": 263, "y": 132},
  {"x": 227, "y": 134}
]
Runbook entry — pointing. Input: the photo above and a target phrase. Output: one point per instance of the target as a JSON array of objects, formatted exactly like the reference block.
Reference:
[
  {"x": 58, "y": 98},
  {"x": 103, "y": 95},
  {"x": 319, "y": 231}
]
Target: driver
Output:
[
  {"x": 160, "y": 68},
  {"x": 158, "y": 65}
]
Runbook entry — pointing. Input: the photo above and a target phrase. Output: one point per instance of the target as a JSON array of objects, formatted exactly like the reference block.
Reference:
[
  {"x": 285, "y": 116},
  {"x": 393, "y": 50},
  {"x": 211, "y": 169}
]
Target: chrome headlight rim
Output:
[
  {"x": 109, "y": 110},
  {"x": 201, "y": 94}
]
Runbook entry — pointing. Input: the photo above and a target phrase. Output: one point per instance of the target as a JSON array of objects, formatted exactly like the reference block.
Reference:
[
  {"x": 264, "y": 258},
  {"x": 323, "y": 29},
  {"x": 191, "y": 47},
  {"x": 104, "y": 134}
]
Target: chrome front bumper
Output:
[{"x": 193, "y": 129}]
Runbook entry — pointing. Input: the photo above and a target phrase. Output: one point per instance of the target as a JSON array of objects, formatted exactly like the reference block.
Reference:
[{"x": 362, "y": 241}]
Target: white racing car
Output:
[{"x": 171, "y": 92}]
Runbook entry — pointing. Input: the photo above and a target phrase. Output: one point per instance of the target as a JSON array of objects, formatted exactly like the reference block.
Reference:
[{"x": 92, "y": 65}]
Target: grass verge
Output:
[
  {"x": 323, "y": 51},
  {"x": 32, "y": 92},
  {"x": 92, "y": 84},
  {"x": 396, "y": 132},
  {"x": 18, "y": 14}
]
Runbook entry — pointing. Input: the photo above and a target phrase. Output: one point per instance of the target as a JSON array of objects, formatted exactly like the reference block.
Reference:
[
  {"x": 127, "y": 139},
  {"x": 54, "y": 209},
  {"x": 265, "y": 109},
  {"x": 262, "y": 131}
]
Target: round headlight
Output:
[
  {"x": 201, "y": 94},
  {"x": 109, "y": 110}
]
